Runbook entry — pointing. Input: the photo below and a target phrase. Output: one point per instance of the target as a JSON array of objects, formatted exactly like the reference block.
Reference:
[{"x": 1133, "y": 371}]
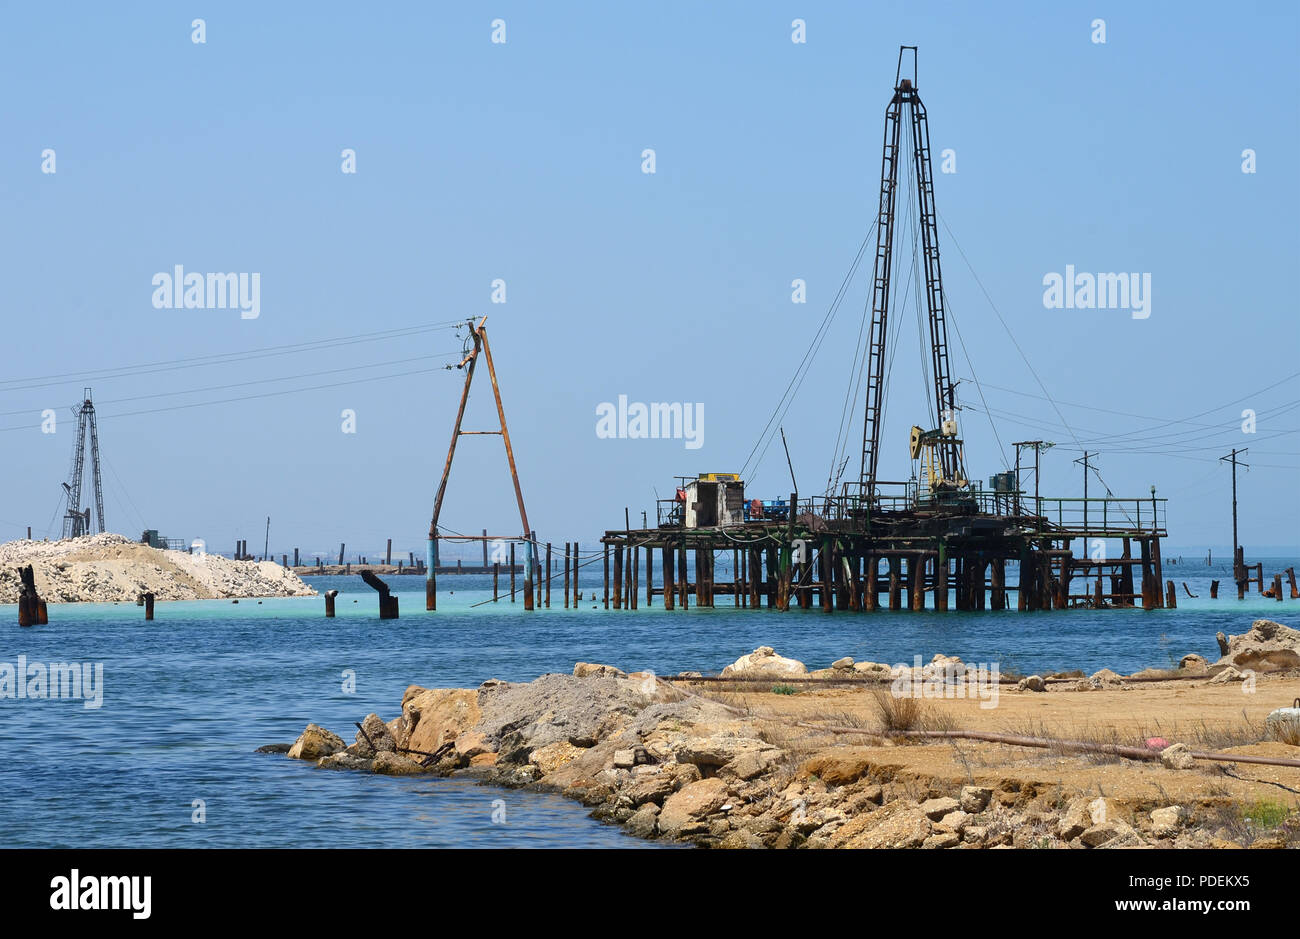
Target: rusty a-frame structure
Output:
[{"x": 478, "y": 335}]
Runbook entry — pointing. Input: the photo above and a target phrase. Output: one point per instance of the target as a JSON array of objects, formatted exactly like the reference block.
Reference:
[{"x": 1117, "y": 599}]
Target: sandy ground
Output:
[
  {"x": 109, "y": 568},
  {"x": 1206, "y": 717}
]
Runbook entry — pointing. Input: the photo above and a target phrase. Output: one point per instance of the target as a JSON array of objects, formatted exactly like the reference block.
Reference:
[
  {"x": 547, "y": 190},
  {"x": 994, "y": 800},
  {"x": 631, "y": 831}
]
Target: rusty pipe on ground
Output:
[{"x": 1047, "y": 743}]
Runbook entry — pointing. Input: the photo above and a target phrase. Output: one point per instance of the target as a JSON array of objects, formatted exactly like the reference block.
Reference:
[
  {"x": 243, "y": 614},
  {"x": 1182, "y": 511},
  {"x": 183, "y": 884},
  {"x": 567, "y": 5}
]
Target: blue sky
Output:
[{"x": 523, "y": 161}]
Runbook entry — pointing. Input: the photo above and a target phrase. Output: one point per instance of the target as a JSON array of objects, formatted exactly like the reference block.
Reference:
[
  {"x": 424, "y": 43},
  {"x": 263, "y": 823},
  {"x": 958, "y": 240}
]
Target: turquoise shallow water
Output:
[{"x": 189, "y": 696}]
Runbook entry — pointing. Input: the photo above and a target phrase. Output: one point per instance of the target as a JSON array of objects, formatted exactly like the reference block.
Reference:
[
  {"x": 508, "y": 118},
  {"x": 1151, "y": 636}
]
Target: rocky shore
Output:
[
  {"x": 109, "y": 568},
  {"x": 771, "y": 754}
]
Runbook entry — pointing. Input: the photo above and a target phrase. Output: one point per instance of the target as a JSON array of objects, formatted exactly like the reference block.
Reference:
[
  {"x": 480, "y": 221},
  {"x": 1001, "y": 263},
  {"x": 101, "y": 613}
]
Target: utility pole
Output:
[
  {"x": 1086, "y": 466},
  {"x": 1232, "y": 458},
  {"x": 1039, "y": 447}
]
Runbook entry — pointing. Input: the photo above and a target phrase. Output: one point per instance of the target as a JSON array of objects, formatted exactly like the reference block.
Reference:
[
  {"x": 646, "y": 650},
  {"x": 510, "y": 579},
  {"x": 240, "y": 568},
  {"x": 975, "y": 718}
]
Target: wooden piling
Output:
[
  {"x": 1067, "y": 563},
  {"x": 148, "y": 605},
  {"x": 329, "y": 603},
  {"x": 566, "y": 575},
  {"x": 826, "y": 565},
  {"x": 1048, "y": 582},
  {"x": 853, "y": 574},
  {"x": 548, "y": 575},
  {"x": 773, "y": 571},
  {"x": 1214, "y": 590},
  {"x": 895, "y": 585},
  {"x": 607, "y": 577},
  {"x": 618, "y": 576},
  {"x": 998, "y": 583},
  {"x": 871, "y": 581},
  {"x": 1148, "y": 576},
  {"x": 1277, "y": 587},
  {"x": 635, "y": 588},
  {"x": 649, "y": 576},
  {"x": 1290, "y": 576},
  {"x": 496, "y": 581},
  {"x": 667, "y": 556},
  {"x": 388, "y": 553},
  {"x": 577, "y": 593},
  {"x": 1126, "y": 574},
  {"x": 1171, "y": 595},
  {"x": 916, "y": 582},
  {"x": 1158, "y": 569},
  {"x": 683, "y": 585},
  {"x": 512, "y": 572}
]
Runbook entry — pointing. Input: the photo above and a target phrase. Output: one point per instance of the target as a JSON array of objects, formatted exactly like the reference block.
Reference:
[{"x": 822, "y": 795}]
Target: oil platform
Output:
[{"x": 871, "y": 544}]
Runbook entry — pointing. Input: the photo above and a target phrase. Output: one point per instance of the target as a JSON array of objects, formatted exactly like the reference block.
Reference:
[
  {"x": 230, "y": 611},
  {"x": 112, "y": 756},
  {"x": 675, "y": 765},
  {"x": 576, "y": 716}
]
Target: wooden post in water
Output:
[
  {"x": 1290, "y": 576},
  {"x": 548, "y": 575},
  {"x": 839, "y": 574},
  {"x": 683, "y": 584},
  {"x": 1171, "y": 595},
  {"x": 577, "y": 594},
  {"x": 773, "y": 570},
  {"x": 635, "y": 588},
  {"x": 826, "y": 571},
  {"x": 998, "y": 583},
  {"x": 1277, "y": 587},
  {"x": 895, "y": 582},
  {"x": 512, "y": 572},
  {"x": 566, "y": 575},
  {"x": 1158, "y": 568},
  {"x": 1050, "y": 583},
  {"x": 1024, "y": 578},
  {"x": 921, "y": 561},
  {"x": 871, "y": 581},
  {"x": 388, "y": 553},
  {"x": 1214, "y": 590},
  {"x": 148, "y": 605},
  {"x": 649, "y": 576},
  {"x": 853, "y": 580},
  {"x": 667, "y": 556},
  {"x": 496, "y": 581},
  {"x": 1148, "y": 576},
  {"x": 329, "y": 603},
  {"x": 607, "y": 577},
  {"x": 754, "y": 573},
  {"x": 942, "y": 579},
  {"x": 618, "y": 576},
  {"x": 1126, "y": 573}
]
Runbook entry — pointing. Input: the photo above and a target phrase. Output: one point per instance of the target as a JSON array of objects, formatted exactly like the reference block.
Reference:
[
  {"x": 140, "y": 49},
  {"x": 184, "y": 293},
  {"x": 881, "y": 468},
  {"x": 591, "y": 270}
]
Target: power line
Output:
[
  {"x": 267, "y": 394},
  {"x": 220, "y": 358}
]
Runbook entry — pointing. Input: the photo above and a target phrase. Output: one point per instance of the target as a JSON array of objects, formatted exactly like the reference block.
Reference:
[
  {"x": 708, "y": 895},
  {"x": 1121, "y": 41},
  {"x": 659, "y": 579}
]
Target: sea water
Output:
[{"x": 167, "y": 760}]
